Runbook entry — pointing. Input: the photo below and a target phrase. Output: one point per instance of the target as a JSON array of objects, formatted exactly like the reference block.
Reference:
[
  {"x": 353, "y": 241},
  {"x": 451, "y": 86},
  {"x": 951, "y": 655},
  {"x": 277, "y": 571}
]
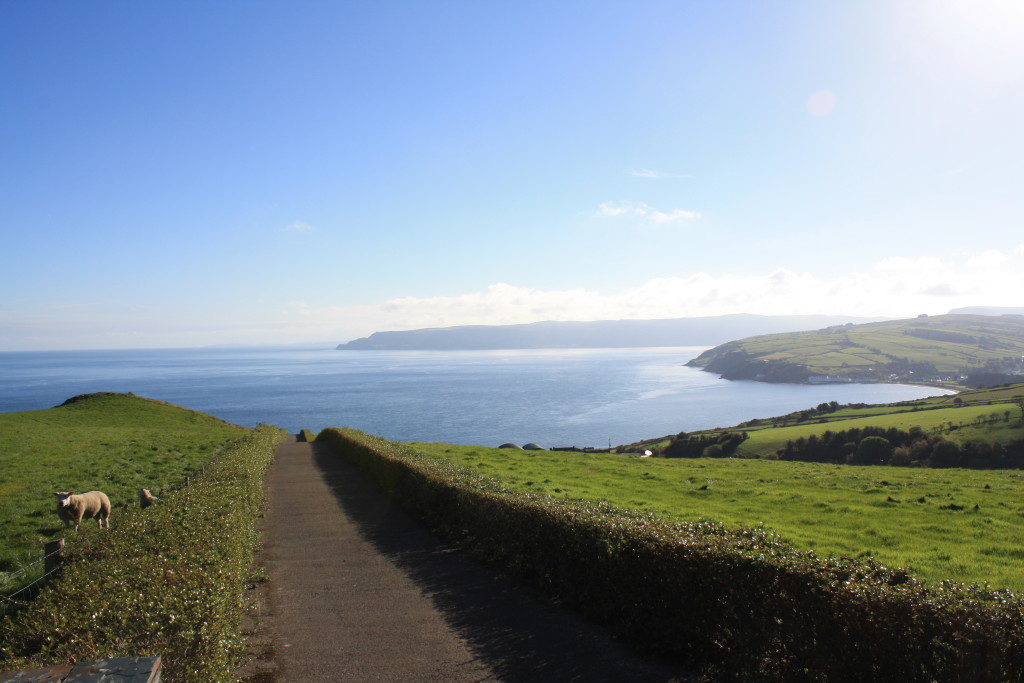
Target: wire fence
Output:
[
  {"x": 29, "y": 591},
  {"x": 10, "y": 601}
]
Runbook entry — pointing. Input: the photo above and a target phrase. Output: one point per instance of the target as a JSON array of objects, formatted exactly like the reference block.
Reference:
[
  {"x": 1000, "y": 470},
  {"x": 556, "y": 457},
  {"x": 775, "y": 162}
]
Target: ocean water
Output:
[{"x": 579, "y": 397}]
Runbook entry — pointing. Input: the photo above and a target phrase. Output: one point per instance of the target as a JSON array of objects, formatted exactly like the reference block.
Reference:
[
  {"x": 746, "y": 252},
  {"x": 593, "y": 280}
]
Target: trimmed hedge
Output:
[
  {"x": 738, "y": 603},
  {"x": 167, "y": 580}
]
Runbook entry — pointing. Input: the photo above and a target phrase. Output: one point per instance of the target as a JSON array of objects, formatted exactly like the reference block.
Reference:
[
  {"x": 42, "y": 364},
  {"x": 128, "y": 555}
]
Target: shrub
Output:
[
  {"x": 167, "y": 580},
  {"x": 739, "y": 603}
]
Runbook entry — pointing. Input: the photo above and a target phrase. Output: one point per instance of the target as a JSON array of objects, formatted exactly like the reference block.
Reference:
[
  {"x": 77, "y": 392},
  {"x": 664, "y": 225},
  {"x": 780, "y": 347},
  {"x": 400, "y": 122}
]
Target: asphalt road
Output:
[{"x": 358, "y": 591}]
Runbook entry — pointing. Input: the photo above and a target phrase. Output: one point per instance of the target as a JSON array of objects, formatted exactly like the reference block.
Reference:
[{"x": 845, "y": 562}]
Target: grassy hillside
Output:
[
  {"x": 954, "y": 350},
  {"x": 942, "y": 524},
  {"x": 116, "y": 443},
  {"x": 993, "y": 415},
  {"x": 167, "y": 580}
]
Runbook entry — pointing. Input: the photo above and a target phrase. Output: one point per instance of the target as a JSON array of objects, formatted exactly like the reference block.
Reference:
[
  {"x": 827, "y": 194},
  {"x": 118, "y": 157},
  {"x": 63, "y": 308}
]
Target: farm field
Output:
[
  {"x": 116, "y": 443},
  {"x": 985, "y": 422},
  {"x": 994, "y": 415},
  {"x": 956, "y": 524}
]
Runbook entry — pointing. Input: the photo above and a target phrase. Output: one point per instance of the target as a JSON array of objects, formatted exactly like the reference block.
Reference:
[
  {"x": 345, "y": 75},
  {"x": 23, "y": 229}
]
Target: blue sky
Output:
[{"x": 184, "y": 174}]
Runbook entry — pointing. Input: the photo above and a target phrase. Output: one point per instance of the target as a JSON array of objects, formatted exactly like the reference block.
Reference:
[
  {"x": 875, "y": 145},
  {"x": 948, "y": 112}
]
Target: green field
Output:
[
  {"x": 973, "y": 422},
  {"x": 994, "y": 415},
  {"x": 115, "y": 443},
  {"x": 941, "y": 524}
]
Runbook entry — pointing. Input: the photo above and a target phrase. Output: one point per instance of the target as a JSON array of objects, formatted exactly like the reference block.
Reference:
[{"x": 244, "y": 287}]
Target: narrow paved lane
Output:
[{"x": 360, "y": 592}]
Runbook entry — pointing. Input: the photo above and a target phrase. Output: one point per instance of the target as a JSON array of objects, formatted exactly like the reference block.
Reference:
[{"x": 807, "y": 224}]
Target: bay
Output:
[{"x": 577, "y": 397}]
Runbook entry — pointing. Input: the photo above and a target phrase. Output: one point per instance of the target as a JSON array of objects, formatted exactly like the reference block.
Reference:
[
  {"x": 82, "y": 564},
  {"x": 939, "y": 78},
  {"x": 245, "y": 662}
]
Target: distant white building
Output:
[{"x": 828, "y": 379}]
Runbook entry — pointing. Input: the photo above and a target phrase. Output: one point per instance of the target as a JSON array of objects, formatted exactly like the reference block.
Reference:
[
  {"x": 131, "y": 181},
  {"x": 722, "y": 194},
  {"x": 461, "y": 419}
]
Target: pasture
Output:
[
  {"x": 115, "y": 443},
  {"x": 956, "y": 524},
  {"x": 993, "y": 415},
  {"x": 997, "y": 423}
]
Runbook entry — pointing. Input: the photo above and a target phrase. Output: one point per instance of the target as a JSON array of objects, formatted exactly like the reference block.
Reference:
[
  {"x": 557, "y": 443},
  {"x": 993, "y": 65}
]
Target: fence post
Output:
[{"x": 53, "y": 556}]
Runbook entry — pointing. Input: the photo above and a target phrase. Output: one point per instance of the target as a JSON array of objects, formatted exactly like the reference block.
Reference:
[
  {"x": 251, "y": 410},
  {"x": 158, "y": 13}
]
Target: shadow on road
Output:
[{"x": 520, "y": 635}]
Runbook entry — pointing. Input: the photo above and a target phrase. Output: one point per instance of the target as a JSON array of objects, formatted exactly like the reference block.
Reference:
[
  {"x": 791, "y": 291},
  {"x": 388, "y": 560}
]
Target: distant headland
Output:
[{"x": 703, "y": 331}]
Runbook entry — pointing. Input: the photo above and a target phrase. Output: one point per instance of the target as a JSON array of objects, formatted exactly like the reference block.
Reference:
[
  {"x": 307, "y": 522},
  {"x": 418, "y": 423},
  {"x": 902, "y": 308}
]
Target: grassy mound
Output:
[
  {"x": 115, "y": 443},
  {"x": 167, "y": 580}
]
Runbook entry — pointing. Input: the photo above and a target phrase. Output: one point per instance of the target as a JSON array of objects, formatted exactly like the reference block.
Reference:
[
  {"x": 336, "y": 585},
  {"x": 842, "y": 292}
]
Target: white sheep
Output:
[
  {"x": 91, "y": 505},
  {"x": 146, "y": 498}
]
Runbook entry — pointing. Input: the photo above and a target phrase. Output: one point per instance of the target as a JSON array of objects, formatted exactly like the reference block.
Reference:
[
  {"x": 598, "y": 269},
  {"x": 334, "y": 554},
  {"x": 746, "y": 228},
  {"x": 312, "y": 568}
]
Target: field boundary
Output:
[{"x": 737, "y": 603}]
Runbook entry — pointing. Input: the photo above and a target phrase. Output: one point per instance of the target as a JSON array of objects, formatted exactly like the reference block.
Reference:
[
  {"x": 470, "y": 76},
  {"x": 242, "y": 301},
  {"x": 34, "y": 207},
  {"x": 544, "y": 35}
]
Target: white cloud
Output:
[
  {"x": 642, "y": 210},
  {"x": 990, "y": 258},
  {"x": 614, "y": 209},
  {"x": 821, "y": 103},
  {"x": 896, "y": 287},
  {"x": 655, "y": 175},
  {"x": 672, "y": 216},
  {"x": 298, "y": 226},
  {"x": 904, "y": 264},
  {"x": 940, "y": 289}
]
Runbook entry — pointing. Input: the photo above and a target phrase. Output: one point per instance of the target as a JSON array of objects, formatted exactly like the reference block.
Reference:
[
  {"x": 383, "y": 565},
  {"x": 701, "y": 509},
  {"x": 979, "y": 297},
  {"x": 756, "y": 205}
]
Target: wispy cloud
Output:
[
  {"x": 612, "y": 209},
  {"x": 821, "y": 103},
  {"x": 990, "y": 258},
  {"x": 655, "y": 175},
  {"x": 298, "y": 226},
  {"x": 671, "y": 216},
  {"x": 642, "y": 210}
]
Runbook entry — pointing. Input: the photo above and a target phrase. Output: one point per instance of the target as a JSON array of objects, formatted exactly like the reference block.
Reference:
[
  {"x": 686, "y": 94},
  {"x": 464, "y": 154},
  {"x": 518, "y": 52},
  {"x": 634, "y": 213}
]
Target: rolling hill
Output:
[{"x": 951, "y": 350}]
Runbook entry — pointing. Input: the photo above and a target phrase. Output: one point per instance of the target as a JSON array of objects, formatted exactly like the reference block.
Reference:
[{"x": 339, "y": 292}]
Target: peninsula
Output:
[{"x": 955, "y": 350}]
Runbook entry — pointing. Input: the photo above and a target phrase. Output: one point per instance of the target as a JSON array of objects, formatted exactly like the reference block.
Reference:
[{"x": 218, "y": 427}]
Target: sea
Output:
[{"x": 552, "y": 397}]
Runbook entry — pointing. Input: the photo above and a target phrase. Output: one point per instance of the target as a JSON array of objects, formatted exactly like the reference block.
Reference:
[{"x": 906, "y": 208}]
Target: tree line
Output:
[
  {"x": 900, "y": 448},
  {"x": 685, "y": 445}
]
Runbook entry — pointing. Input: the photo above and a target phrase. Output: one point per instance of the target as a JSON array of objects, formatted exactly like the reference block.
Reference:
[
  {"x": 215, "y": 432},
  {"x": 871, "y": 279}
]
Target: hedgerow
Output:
[
  {"x": 738, "y": 603},
  {"x": 901, "y": 448},
  {"x": 167, "y": 580}
]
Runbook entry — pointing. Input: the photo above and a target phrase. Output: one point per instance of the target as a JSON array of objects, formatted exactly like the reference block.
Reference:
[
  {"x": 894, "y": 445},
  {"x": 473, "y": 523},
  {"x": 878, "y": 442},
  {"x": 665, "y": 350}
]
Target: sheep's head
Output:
[{"x": 64, "y": 499}]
